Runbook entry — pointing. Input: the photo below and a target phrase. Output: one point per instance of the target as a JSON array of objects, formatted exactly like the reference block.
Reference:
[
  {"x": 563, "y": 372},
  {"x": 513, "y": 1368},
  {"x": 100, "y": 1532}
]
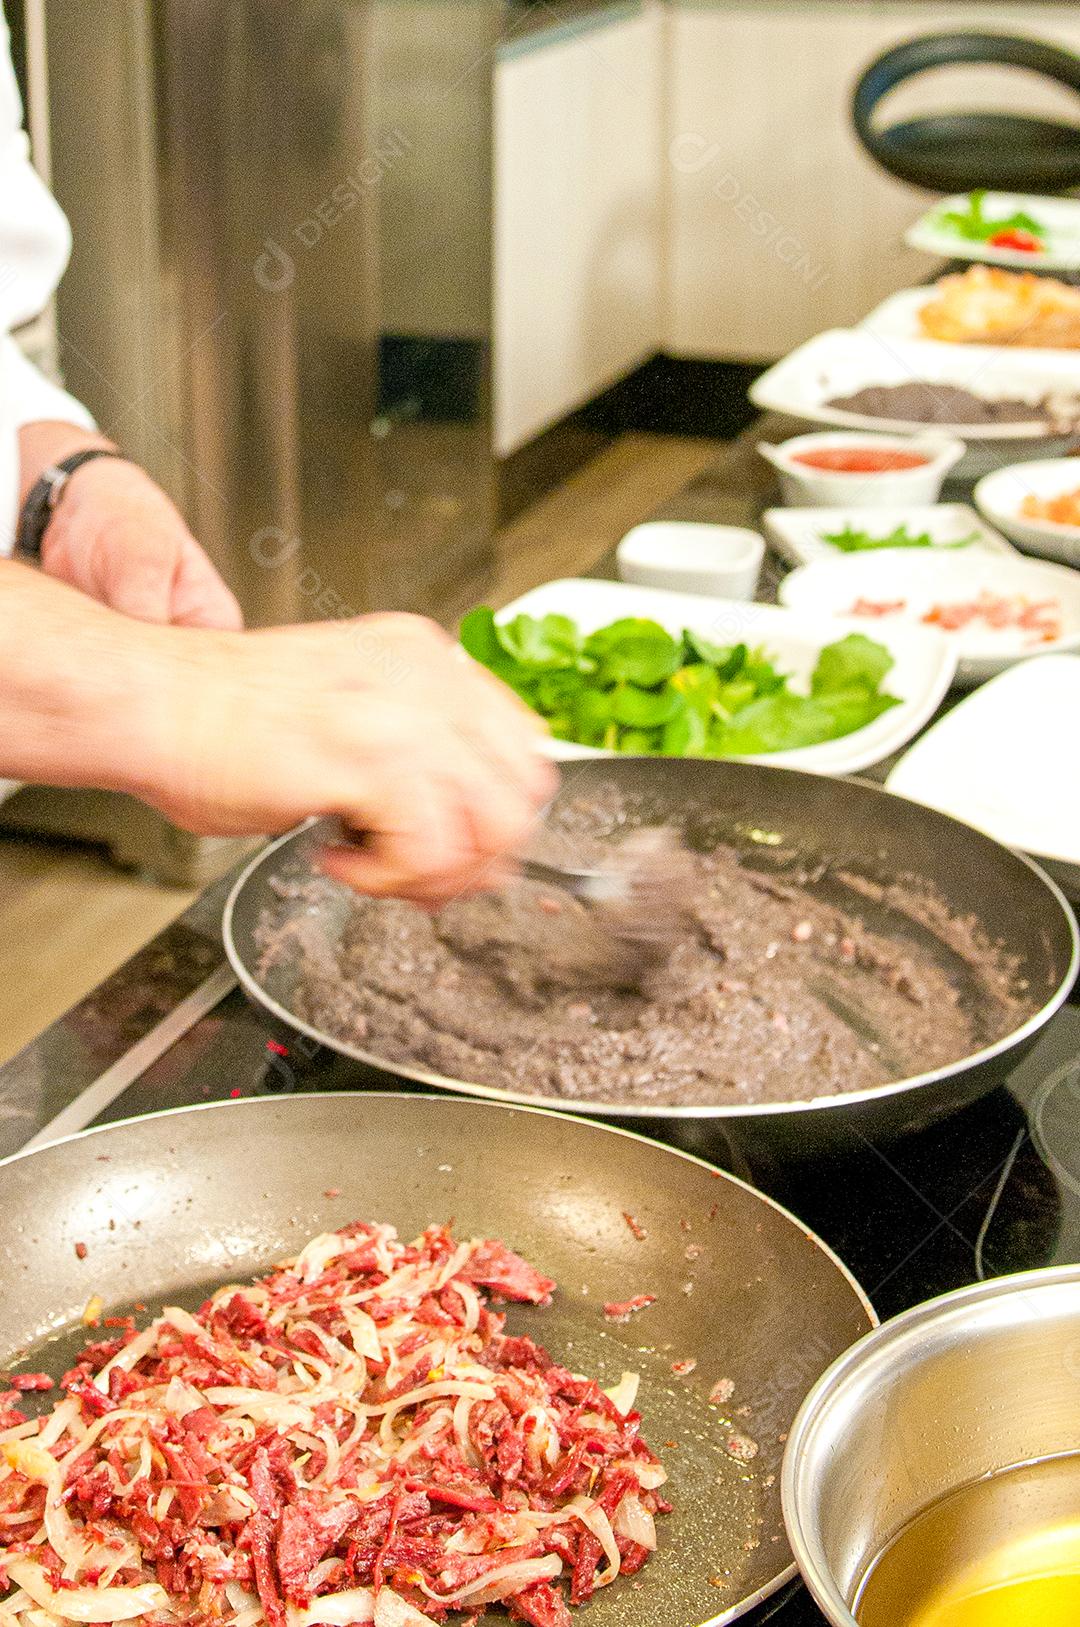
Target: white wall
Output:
[
  {"x": 778, "y": 222},
  {"x": 577, "y": 188},
  {"x": 688, "y": 180}
]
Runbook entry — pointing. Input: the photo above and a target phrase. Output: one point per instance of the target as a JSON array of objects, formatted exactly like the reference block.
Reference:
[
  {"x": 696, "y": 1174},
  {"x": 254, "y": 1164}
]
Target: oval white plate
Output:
[
  {"x": 831, "y": 587},
  {"x": 843, "y": 360},
  {"x": 1003, "y": 761},
  {"x": 1000, "y": 495},
  {"x": 1060, "y": 216},
  {"x": 923, "y": 670}
]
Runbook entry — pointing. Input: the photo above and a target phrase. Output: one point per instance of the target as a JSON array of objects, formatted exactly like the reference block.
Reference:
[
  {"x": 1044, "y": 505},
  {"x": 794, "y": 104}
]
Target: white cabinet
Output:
[
  {"x": 578, "y": 144},
  {"x": 778, "y": 223}
]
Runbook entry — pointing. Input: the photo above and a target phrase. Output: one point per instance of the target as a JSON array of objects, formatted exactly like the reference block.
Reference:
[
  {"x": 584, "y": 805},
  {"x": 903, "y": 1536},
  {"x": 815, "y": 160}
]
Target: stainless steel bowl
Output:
[{"x": 975, "y": 1381}]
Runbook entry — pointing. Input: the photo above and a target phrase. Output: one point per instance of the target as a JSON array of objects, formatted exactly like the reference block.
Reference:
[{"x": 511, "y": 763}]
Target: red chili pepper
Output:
[{"x": 1015, "y": 237}]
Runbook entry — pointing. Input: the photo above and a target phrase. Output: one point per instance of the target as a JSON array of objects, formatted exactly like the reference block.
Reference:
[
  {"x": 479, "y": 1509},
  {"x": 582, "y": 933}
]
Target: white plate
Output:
[
  {"x": 1003, "y": 761},
  {"x": 921, "y": 676},
  {"x": 999, "y": 496},
  {"x": 898, "y": 318},
  {"x": 1060, "y": 216},
  {"x": 798, "y": 533},
  {"x": 831, "y": 587},
  {"x": 843, "y": 360}
]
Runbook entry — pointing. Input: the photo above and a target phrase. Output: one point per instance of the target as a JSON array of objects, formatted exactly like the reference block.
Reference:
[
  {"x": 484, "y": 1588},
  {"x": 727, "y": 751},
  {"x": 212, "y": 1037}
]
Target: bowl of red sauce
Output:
[{"x": 846, "y": 469}]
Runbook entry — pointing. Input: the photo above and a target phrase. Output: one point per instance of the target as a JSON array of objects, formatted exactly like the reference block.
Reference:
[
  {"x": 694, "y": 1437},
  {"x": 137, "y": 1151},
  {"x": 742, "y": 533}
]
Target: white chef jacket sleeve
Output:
[
  {"x": 33, "y": 396},
  {"x": 35, "y": 243}
]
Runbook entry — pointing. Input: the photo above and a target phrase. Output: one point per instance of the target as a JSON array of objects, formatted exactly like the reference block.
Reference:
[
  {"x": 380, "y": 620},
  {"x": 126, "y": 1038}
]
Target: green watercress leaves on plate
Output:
[{"x": 633, "y": 687}]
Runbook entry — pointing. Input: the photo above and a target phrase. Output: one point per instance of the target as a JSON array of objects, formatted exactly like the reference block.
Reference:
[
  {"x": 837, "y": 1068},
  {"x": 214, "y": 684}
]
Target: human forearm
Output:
[
  {"x": 78, "y": 686},
  {"x": 379, "y": 720}
]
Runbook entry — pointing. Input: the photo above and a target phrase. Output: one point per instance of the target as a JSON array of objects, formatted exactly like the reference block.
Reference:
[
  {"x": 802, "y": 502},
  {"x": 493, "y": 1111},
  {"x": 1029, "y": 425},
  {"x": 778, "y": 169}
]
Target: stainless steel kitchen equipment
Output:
[
  {"x": 780, "y": 819},
  {"x": 978, "y": 1380},
  {"x": 168, "y": 1207}
]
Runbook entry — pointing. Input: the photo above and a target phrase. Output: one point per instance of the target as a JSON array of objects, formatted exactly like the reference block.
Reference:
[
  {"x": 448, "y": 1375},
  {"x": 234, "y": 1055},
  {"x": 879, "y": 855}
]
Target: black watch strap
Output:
[{"x": 44, "y": 495}]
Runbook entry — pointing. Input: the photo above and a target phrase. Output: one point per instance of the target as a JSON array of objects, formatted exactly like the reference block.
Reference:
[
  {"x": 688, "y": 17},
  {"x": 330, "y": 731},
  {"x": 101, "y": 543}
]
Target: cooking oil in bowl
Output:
[{"x": 1000, "y": 1552}]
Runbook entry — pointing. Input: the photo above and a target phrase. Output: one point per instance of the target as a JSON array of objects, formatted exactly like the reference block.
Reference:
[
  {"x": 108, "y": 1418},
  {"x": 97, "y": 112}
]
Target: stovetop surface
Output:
[{"x": 994, "y": 1189}]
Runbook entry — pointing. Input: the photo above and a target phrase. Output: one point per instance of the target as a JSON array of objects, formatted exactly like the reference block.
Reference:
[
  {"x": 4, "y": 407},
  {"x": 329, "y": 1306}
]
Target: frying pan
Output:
[
  {"x": 782, "y": 820},
  {"x": 171, "y": 1206}
]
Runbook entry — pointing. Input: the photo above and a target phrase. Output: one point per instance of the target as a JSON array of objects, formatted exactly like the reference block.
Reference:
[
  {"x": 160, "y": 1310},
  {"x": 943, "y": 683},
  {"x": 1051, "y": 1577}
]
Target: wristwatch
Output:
[{"x": 45, "y": 493}]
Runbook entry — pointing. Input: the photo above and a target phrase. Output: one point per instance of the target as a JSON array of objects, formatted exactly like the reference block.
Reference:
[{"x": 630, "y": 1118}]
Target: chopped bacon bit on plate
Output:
[
  {"x": 636, "y": 1228},
  {"x": 81, "y": 1251},
  {"x": 1041, "y": 618},
  {"x": 722, "y": 1391},
  {"x": 682, "y": 1368},
  {"x": 622, "y": 1310},
  {"x": 877, "y": 607}
]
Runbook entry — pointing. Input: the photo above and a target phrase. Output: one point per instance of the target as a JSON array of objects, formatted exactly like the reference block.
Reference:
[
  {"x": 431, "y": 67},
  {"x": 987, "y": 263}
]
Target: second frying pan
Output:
[{"x": 168, "y": 1207}]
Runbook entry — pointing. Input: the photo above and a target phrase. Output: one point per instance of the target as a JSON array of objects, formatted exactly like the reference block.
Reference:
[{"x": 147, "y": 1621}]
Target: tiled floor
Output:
[{"x": 67, "y": 917}]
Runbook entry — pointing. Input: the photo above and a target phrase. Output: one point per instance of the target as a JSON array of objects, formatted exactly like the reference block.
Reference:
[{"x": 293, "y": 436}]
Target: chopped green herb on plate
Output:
[
  {"x": 851, "y": 540},
  {"x": 633, "y": 687}
]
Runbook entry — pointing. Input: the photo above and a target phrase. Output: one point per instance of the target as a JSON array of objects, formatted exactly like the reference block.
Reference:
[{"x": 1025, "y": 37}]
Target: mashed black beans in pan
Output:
[{"x": 780, "y": 986}]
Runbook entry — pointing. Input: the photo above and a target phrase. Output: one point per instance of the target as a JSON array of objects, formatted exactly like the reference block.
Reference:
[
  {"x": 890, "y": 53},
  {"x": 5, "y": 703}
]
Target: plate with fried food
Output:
[
  {"x": 1036, "y": 505},
  {"x": 985, "y": 305}
]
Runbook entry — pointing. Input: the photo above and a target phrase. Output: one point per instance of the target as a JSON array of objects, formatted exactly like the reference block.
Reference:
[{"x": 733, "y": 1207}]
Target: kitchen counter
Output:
[{"x": 987, "y": 1191}]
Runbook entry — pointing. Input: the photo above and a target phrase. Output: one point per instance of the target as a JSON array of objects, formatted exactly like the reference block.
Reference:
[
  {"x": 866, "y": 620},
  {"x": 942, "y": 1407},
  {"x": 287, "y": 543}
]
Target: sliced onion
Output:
[
  {"x": 634, "y": 1522},
  {"x": 428, "y": 1392},
  {"x": 63, "y": 1416},
  {"x": 285, "y": 1410},
  {"x": 314, "y": 1258},
  {"x": 649, "y": 1475},
  {"x": 126, "y": 1359},
  {"x": 500, "y": 1583},
  {"x": 391, "y": 1610},
  {"x": 229, "y": 1505},
  {"x": 181, "y": 1398},
  {"x": 365, "y": 1335},
  {"x": 454, "y": 1264},
  {"x": 87, "y": 1603},
  {"x": 591, "y": 1514},
  {"x": 624, "y": 1394},
  {"x": 355, "y": 1604},
  {"x": 471, "y": 1301},
  {"x": 33, "y": 1461}
]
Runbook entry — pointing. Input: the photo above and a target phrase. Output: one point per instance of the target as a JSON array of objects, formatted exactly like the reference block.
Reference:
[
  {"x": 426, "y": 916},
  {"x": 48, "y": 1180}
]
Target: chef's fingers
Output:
[
  {"x": 199, "y": 597},
  {"x": 417, "y": 843},
  {"x": 509, "y": 740}
]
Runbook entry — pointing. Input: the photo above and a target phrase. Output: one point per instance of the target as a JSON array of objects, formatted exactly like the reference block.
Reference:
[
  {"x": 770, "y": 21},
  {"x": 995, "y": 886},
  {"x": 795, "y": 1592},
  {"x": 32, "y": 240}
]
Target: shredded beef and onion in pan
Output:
[{"x": 351, "y": 1439}]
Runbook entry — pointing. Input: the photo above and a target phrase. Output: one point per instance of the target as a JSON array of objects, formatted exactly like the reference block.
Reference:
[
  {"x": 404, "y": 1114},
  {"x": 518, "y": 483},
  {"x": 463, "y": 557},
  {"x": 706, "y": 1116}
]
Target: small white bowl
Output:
[
  {"x": 721, "y": 560},
  {"x": 1000, "y": 495},
  {"x": 827, "y": 488}
]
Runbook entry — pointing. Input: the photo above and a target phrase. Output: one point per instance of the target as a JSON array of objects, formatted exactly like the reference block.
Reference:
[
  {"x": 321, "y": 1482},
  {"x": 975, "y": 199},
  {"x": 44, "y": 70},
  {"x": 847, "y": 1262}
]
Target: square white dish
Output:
[
  {"x": 1003, "y": 760},
  {"x": 923, "y": 670},
  {"x": 843, "y": 360},
  {"x": 798, "y": 533},
  {"x": 1060, "y": 216},
  {"x": 999, "y": 496},
  {"x": 934, "y": 577}
]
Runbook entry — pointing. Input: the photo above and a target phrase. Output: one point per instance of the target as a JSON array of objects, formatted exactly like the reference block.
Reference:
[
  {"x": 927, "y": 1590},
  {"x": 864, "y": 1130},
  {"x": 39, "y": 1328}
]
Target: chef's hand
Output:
[
  {"x": 117, "y": 537},
  {"x": 382, "y": 721}
]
